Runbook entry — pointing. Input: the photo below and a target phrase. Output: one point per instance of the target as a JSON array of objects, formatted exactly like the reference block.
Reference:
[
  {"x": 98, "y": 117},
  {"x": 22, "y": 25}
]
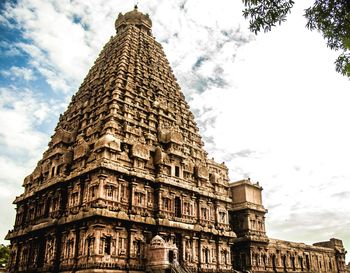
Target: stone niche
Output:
[
  {"x": 108, "y": 141},
  {"x": 160, "y": 157},
  {"x": 62, "y": 136},
  {"x": 81, "y": 149},
  {"x": 170, "y": 136},
  {"x": 140, "y": 151},
  {"x": 201, "y": 172}
]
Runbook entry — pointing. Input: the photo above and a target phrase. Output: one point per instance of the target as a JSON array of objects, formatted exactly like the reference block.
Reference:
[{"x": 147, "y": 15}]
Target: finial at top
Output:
[{"x": 135, "y": 7}]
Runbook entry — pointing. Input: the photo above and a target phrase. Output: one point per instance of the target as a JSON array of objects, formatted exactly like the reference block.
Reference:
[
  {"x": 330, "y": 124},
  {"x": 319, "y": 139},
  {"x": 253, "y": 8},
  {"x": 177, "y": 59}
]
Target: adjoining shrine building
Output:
[{"x": 126, "y": 186}]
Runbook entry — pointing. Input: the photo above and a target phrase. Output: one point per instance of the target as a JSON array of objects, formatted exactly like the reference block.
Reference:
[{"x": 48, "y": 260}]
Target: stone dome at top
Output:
[{"x": 133, "y": 17}]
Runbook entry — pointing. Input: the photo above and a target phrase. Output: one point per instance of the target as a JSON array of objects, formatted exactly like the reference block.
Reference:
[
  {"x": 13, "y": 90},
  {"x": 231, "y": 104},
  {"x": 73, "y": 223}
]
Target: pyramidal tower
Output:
[
  {"x": 126, "y": 186},
  {"x": 126, "y": 163}
]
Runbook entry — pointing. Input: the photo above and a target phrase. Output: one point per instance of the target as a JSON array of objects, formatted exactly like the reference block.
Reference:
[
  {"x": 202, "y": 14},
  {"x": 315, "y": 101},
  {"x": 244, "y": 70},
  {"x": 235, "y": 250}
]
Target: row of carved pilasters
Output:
[
  {"x": 94, "y": 244},
  {"x": 38, "y": 208},
  {"x": 200, "y": 251},
  {"x": 33, "y": 254},
  {"x": 203, "y": 210},
  {"x": 270, "y": 257}
]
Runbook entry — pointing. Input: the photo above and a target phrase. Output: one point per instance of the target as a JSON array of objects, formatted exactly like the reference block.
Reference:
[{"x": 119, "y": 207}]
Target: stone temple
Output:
[{"x": 126, "y": 186}]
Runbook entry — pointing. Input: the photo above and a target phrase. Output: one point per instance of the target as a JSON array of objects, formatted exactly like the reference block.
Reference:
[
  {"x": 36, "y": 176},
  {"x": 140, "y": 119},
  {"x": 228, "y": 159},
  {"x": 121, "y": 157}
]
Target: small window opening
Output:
[
  {"x": 108, "y": 241},
  {"x": 206, "y": 255},
  {"x": 177, "y": 171}
]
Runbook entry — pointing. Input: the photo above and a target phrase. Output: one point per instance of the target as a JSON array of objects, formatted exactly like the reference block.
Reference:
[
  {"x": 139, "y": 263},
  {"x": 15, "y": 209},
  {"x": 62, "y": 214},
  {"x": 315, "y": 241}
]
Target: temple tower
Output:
[
  {"x": 126, "y": 186},
  {"x": 247, "y": 219},
  {"x": 125, "y": 164}
]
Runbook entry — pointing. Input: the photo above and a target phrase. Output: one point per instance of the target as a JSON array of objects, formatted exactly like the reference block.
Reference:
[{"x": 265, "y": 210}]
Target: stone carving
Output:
[
  {"x": 126, "y": 186},
  {"x": 201, "y": 172},
  {"x": 62, "y": 136},
  {"x": 81, "y": 149},
  {"x": 140, "y": 150},
  {"x": 108, "y": 141}
]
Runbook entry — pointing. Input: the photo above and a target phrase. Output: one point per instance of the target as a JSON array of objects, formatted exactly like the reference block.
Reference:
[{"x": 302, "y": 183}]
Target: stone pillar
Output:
[
  {"x": 200, "y": 250},
  {"x": 82, "y": 246},
  {"x": 194, "y": 254},
  {"x": 85, "y": 190},
  {"x": 97, "y": 240},
  {"x": 184, "y": 240},
  {"x": 147, "y": 188},
  {"x": 133, "y": 185},
  {"x": 199, "y": 209},
  {"x": 216, "y": 212},
  {"x": 158, "y": 199},
  {"x": 119, "y": 191},
  {"x": 117, "y": 231},
  {"x": 102, "y": 178}
]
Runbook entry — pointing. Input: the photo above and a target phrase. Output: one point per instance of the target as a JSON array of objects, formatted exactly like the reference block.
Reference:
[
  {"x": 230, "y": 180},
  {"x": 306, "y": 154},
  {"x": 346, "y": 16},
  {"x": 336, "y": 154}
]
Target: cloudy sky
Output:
[{"x": 271, "y": 106}]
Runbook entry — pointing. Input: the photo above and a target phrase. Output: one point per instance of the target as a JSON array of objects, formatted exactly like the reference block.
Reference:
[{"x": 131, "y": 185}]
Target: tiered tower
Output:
[
  {"x": 126, "y": 163},
  {"x": 126, "y": 186}
]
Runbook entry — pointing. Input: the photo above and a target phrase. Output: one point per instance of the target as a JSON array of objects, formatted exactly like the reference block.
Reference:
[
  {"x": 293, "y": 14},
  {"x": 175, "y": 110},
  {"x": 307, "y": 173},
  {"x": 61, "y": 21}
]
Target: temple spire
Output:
[{"x": 135, "y": 18}]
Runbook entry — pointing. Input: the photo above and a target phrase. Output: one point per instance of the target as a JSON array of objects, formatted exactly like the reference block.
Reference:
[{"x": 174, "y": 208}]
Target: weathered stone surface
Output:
[{"x": 126, "y": 186}]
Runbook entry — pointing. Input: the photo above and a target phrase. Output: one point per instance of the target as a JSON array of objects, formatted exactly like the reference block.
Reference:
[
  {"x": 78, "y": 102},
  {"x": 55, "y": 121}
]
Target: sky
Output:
[{"x": 270, "y": 106}]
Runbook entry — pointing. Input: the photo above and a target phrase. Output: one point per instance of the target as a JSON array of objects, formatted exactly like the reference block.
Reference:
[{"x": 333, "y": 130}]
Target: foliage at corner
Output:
[
  {"x": 330, "y": 17},
  {"x": 4, "y": 255},
  {"x": 265, "y": 14}
]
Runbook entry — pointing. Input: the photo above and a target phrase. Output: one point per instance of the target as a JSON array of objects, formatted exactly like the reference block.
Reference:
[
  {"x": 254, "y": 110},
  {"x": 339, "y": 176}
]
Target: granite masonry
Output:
[{"x": 126, "y": 186}]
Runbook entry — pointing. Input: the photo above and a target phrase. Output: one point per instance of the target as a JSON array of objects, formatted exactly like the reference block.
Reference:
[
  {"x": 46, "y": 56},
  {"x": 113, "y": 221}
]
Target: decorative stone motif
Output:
[{"x": 126, "y": 186}]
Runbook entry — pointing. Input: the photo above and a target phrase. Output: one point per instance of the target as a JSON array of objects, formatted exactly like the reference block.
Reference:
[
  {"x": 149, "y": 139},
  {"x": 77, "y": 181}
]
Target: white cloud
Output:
[
  {"x": 7, "y": 49},
  {"x": 22, "y": 113},
  {"x": 16, "y": 72}
]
